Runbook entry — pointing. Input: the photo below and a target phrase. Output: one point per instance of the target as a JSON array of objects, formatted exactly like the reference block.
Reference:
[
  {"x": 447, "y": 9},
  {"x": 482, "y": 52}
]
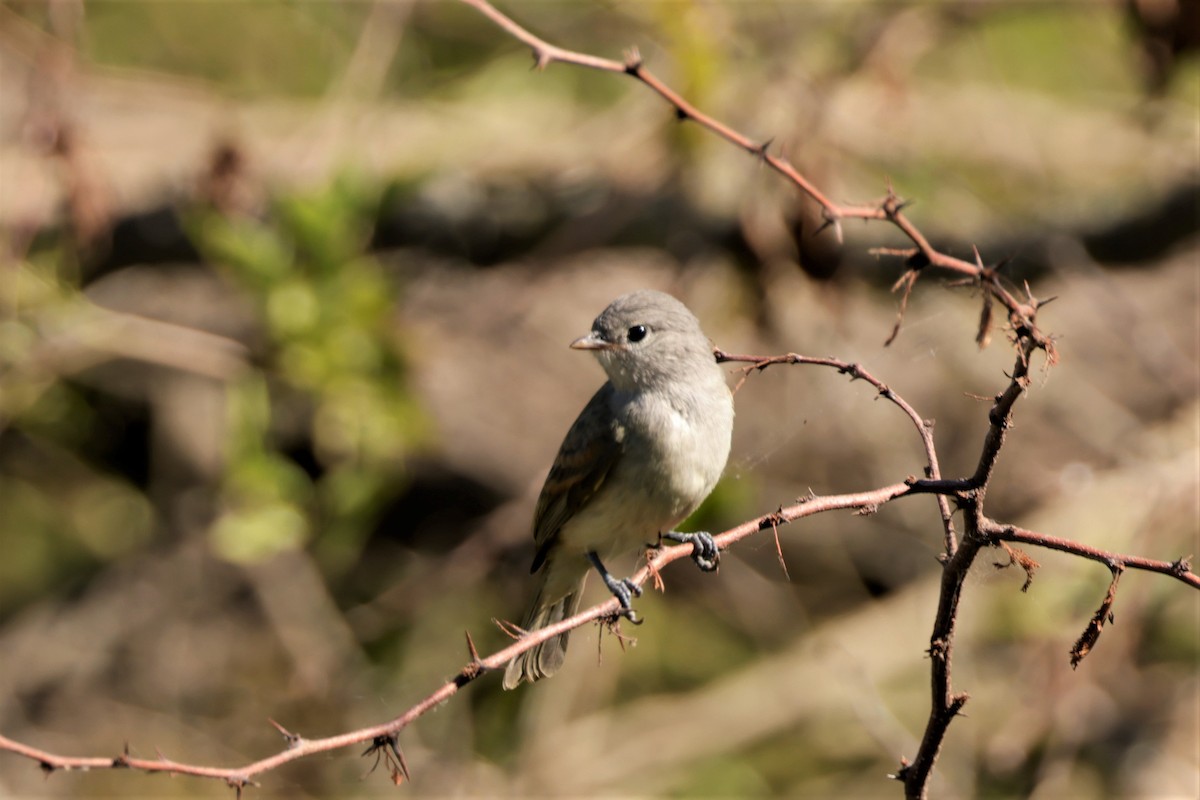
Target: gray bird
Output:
[{"x": 642, "y": 455}]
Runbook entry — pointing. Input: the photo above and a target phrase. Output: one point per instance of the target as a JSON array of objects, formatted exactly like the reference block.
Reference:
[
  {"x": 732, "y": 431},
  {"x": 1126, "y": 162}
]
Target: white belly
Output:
[{"x": 658, "y": 482}]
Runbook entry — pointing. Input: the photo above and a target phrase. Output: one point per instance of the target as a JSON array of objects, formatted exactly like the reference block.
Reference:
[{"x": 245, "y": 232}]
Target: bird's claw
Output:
[
  {"x": 625, "y": 590},
  {"x": 705, "y": 552}
]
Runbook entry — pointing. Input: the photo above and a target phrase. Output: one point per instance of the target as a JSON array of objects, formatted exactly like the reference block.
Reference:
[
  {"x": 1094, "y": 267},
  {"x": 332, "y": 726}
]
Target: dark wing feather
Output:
[{"x": 588, "y": 453}]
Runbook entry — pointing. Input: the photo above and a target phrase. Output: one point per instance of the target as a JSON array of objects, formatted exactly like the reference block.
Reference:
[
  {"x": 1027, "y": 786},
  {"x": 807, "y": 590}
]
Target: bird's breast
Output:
[
  {"x": 688, "y": 442},
  {"x": 673, "y": 453}
]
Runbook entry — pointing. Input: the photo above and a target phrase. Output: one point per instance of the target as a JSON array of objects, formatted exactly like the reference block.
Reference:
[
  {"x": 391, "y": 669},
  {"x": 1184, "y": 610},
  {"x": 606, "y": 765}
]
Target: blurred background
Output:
[{"x": 285, "y": 297}]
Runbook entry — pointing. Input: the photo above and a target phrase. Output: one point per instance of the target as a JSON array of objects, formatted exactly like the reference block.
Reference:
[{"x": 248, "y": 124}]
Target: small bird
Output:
[{"x": 642, "y": 455}]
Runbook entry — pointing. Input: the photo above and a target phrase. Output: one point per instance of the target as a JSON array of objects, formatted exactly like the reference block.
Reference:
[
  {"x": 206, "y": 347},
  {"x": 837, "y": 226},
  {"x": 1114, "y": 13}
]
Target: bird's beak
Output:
[{"x": 591, "y": 342}]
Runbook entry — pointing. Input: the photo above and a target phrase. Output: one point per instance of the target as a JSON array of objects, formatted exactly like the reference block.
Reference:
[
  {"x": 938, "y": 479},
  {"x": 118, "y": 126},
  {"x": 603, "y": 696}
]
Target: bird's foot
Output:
[
  {"x": 623, "y": 589},
  {"x": 705, "y": 552}
]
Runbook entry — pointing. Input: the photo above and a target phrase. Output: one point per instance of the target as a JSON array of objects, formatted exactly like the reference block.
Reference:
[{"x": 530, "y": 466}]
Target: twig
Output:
[
  {"x": 1180, "y": 569},
  {"x": 980, "y": 532},
  {"x": 382, "y": 737},
  {"x": 857, "y": 372},
  {"x": 969, "y": 495},
  {"x": 890, "y": 209}
]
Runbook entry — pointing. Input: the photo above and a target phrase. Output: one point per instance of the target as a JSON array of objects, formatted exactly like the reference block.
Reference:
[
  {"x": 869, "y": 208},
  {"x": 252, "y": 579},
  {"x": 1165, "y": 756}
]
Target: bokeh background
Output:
[{"x": 285, "y": 296}]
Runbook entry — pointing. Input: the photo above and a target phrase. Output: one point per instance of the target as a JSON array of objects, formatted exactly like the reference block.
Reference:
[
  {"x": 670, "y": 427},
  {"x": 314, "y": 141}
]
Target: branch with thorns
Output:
[
  {"x": 889, "y": 209},
  {"x": 966, "y": 495}
]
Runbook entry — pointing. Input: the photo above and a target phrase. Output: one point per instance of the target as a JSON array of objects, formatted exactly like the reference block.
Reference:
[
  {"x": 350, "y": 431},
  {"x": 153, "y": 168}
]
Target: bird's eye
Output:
[{"x": 637, "y": 333}]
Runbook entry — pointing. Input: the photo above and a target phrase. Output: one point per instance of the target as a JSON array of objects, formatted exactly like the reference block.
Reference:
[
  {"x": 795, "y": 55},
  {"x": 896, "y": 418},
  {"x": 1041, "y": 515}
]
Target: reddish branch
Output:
[
  {"x": 382, "y": 737},
  {"x": 890, "y": 209},
  {"x": 980, "y": 532},
  {"x": 966, "y": 494},
  {"x": 1181, "y": 568},
  {"x": 857, "y": 373},
  {"x": 945, "y": 704}
]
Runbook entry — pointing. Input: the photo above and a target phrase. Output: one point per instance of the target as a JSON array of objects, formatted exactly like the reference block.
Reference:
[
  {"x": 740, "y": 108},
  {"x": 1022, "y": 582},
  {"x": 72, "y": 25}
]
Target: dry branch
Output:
[
  {"x": 890, "y": 209},
  {"x": 384, "y": 734},
  {"x": 981, "y": 532},
  {"x": 966, "y": 495}
]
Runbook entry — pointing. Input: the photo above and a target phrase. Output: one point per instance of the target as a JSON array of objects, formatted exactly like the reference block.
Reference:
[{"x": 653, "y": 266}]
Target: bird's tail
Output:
[{"x": 544, "y": 659}]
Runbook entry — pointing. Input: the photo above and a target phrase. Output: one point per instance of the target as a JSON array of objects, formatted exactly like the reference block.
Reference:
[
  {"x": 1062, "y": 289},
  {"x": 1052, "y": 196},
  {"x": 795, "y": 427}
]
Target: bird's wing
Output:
[{"x": 587, "y": 455}]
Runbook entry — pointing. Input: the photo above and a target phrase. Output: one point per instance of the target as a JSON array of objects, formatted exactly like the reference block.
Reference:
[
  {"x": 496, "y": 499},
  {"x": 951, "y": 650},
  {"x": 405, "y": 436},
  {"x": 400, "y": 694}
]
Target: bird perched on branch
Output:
[{"x": 642, "y": 455}]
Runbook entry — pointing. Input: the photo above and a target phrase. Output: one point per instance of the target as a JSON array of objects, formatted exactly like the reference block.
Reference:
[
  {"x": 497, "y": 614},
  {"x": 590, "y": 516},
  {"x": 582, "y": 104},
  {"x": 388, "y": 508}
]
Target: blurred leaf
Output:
[
  {"x": 327, "y": 307},
  {"x": 255, "y": 534}
]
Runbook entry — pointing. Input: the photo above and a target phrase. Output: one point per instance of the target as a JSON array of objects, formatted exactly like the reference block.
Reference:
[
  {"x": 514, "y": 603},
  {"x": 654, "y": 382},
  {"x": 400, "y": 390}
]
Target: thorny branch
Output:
[
  {"x": 966, "y": 494},
  {"x": 945, "y": 704},
  {"x": 856, "y": 372},
  {"x": 980, "y": 532},
  {"x": 890, "y": 209},
  {"x": 382, "y": 737}
]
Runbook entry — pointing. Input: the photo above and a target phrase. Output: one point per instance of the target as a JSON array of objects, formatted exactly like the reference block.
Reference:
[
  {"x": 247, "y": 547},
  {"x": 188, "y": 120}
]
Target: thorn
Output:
[
  {"x": 829, "y": 218},
  {"x": 984, "y": 335},
  {"x": 239, "y": 782},
  {"x": 907, "y": 281},
  {"x": 123, "y": 759},
  {"x": 853, "y": 370},
  {"x": 400, "y": 762},
  {"x": 292, "y": 739},
  {"x": 779, "y": 547},
  {"x": 892, "y": 203},
  {"x": 762, "y": 148},
  {"x": 633, "y": 61},
  {"x": 937, "y": 649},
  {"x": 474, "y": 669},
  {"x": 471, "y": 647},
  {"x": 387, "y": 749}
]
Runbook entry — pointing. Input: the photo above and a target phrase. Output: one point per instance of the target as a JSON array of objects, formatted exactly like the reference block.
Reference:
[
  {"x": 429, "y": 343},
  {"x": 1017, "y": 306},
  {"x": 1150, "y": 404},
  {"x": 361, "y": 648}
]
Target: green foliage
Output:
[
  {"x": 333, "y": 350},
  {"x": 59, "y": 518}
]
